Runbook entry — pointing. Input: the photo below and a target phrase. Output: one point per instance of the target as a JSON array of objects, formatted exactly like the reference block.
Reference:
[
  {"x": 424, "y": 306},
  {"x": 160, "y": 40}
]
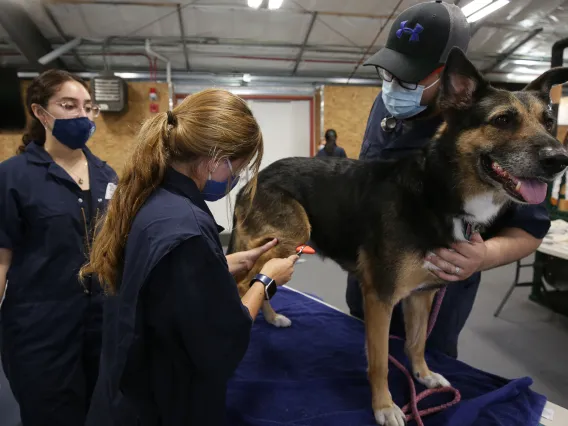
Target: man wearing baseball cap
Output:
[{"x": 402, "y": 121}]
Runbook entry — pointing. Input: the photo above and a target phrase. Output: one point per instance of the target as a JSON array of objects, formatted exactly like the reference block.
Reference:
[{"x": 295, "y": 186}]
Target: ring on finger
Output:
[{"x": 458, "y": 270}]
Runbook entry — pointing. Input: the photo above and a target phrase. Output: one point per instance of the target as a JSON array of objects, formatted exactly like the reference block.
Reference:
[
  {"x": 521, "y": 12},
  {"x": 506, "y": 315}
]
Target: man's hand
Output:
[
  {"x": 243, "y": 261},
  {"x": 462, "y": 261}
]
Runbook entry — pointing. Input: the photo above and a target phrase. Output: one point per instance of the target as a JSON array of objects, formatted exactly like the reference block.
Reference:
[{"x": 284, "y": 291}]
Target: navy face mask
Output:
[
  {"x": 214, "y": 190},
  {"x": 73, "y": 132}
]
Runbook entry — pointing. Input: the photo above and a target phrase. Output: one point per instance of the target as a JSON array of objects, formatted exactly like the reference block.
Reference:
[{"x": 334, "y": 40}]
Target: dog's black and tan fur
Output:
[{"x": 379, "y": 219}]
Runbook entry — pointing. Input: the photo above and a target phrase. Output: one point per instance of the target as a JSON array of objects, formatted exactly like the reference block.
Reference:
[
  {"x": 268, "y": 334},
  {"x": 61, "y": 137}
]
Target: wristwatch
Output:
[{"x": 269, "y": 285}]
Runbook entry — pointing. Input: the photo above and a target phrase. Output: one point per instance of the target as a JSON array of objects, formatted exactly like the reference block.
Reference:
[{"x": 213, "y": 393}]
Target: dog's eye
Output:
[
  {"x": 503, "y": 120},
  {"x": 549, "y": 124}
]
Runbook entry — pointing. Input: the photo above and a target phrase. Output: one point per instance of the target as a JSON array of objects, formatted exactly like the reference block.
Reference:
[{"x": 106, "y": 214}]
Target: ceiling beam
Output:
[
  {"x": 62, "y": 34},
  {"x": 305, "y": 43},
  {"x": 25, "y": 34},
  {"x": 115, "y": 3},
  {"x": 505, "y": 55},
  {"x": 381, "y": 29},
  {"x": 182, "y": 32}
]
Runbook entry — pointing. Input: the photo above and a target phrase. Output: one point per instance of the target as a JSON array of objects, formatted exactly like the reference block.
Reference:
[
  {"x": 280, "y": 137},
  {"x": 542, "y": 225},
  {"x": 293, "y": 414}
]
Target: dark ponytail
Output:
[
  {"x": 330, "y": 139},
  {"x": 40, "y": 91}
]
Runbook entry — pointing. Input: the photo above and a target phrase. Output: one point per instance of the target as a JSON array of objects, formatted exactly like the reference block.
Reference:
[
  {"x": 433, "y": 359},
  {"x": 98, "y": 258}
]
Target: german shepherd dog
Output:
[{"x": 379, "y": 219}]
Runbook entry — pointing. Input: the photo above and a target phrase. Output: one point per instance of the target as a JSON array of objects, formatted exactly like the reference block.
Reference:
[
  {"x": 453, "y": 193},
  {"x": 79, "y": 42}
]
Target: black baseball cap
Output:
[{"x": 420, "y": 40}]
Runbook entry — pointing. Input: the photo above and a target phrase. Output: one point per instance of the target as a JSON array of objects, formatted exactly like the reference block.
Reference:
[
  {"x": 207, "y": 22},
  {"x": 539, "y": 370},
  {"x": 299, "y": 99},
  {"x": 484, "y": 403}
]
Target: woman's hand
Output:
[
  {"x": 458, "y": 264},
  {"x": 243, "y": 261},
  {"x": 280, "y": 270}
]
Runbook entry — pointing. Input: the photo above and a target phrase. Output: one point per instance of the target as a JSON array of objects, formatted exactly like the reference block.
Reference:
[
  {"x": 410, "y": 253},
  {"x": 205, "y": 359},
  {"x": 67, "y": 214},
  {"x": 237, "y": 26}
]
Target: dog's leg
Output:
[
  {"x": 417, "y": 307},
  {"x": 377, "y": 321},
  {"x": 278, "y": 320},
  {"x": 378, "y": 312}
]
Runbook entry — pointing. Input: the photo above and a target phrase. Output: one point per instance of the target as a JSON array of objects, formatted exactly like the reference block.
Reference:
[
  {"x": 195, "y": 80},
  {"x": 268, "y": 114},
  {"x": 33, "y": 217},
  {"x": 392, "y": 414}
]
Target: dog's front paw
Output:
[
  {"x": 279, "y": 321},
  {"x": 434, "y": 380},
  {"x": 391, "y": 416}
]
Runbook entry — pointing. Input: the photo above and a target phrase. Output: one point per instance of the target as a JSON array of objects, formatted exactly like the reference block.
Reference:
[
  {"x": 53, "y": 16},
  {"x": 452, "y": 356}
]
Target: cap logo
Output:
[{"x": 412, "y": 31}]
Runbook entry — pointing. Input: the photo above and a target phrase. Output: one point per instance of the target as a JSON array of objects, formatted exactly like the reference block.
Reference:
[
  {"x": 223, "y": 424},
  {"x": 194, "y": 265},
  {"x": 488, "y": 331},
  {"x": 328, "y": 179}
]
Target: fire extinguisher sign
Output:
[{"x": 154, "y": 106}]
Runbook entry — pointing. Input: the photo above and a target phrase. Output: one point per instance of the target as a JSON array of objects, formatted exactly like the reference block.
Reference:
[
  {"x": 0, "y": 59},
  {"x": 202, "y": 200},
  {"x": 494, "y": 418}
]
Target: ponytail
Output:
[
  {"x": 143, "y": 173},
  {"x": 213, "y": 124},
  {"x": 35, "y": 132}
]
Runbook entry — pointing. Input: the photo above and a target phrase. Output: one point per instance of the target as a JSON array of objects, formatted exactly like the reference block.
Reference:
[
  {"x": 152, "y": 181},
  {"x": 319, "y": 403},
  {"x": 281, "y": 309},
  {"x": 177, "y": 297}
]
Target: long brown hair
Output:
[
  {"x": 213, "y": 123},
  {"x": 40, "y": 91}
]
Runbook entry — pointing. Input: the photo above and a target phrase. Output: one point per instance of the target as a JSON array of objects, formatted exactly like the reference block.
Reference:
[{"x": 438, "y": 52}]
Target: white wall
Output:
[
  {"x": 563, "y": 111},
  {"x": 285, "y": 127}
]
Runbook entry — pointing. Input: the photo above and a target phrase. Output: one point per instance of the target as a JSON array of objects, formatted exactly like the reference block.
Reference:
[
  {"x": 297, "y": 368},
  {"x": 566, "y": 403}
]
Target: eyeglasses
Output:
[
  {"x": 387, "y": 76},
  {"x": 74, "y": 109}
]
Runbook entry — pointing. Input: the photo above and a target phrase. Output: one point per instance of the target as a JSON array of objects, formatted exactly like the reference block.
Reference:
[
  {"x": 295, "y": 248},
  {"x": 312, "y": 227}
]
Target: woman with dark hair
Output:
[
  {"x": 50, "y": 197},
  {"x": 331, "y": 149}
]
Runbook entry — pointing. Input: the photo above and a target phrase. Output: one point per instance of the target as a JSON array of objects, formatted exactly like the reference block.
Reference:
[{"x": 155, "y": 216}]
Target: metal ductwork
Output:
[
  {"x": 557, "y": 60},
  {"x": 25, "y": 34}
]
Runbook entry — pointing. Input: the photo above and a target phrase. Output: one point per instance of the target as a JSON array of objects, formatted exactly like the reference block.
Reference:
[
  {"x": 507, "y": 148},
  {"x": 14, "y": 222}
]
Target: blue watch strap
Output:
[
  {"x": 269, "y": 285},
  {"x": 263, "y": 279}
]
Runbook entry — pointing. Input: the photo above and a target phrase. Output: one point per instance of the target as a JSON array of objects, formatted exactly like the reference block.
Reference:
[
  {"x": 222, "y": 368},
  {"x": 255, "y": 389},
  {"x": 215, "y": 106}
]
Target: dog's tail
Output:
[{"x": 231, "y": 247}]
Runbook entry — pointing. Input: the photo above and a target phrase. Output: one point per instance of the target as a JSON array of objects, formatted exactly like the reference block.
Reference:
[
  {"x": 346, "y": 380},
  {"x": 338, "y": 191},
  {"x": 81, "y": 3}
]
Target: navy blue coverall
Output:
[
  {"x": 176, "y": 329},
  {"x": 408, "y": 137},
  {"x": 337, "y": 152},
  {"x": 51, "y": 322}
]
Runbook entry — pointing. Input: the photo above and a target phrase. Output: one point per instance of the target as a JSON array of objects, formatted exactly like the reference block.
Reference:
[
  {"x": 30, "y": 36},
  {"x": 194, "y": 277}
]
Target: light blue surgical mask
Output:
[
  {"x": 401, "y": 102},
  {"x": 214, "y": 190}
]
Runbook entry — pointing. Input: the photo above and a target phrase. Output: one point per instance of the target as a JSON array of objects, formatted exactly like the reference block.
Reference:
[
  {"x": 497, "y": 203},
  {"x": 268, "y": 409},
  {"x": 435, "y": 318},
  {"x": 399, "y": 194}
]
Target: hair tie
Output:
[{"x": 172, "y": 120}]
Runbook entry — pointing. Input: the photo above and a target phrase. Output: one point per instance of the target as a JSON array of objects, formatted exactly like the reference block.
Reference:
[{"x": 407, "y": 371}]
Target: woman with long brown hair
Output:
[
  {"x": 50, "y": 195},
  {"x": 175, "y": 328}
]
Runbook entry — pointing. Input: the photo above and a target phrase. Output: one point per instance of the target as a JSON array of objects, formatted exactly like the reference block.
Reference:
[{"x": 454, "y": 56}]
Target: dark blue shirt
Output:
[
  {"x": 44, "y": 220},
  {"x": 176, "y": 330},
  {"x": 337, "y": 152},
  {"x": 51, "y": 322}
]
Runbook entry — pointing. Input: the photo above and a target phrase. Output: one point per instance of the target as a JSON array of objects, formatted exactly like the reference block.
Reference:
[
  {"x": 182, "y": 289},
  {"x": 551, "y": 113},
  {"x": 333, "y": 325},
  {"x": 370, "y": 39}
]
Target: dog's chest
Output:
[{"x": 480, "y": 210}]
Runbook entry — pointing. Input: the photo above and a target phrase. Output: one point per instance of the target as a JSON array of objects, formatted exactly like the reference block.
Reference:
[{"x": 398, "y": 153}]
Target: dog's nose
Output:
[{"x": 553, "y": 161}]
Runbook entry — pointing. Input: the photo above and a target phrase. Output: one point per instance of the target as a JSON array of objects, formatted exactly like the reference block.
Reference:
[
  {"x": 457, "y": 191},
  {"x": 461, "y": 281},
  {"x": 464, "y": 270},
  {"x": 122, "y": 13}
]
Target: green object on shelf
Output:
[{"x": 553, "y": 210}]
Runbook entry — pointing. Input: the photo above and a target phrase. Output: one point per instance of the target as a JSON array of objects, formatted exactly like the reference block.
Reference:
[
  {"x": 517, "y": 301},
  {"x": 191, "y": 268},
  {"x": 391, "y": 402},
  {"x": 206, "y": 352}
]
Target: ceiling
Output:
[{"x": 305, "y": 38}]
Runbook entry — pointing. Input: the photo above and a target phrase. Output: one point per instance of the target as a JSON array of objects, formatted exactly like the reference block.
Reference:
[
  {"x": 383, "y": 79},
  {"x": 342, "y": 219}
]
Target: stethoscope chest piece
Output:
[{"x": 388, "y": 124}]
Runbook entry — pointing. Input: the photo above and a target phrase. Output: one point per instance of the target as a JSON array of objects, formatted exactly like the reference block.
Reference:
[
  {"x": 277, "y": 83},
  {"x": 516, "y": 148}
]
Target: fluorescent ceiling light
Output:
[
  {"x": 487, "y": 10},
  {"x": 474, "y": 6},
  {"x": 531, "y": 71},
  {"x": 255, "y": 4},
  {"x": 528, "y": 62},
  {"x": 274, "y": 4}
]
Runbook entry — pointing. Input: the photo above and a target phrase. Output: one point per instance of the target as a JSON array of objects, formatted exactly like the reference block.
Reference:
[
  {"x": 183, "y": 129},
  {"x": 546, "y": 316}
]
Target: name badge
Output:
[{"x": 111, "y": 187}]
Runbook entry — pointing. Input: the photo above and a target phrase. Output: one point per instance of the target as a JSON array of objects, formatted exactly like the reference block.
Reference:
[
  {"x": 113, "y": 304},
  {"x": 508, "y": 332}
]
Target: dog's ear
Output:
[
  {"x": 460, "y": 83},
  {"x": 550, "y": 78}
]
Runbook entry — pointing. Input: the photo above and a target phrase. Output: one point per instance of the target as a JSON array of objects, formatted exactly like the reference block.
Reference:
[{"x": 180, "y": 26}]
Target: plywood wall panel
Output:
[{"x": 346, "y": 109}]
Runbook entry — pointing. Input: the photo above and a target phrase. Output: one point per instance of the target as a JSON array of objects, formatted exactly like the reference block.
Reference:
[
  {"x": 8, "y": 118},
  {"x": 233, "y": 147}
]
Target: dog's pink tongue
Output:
[{"x": 533, "y": 191}]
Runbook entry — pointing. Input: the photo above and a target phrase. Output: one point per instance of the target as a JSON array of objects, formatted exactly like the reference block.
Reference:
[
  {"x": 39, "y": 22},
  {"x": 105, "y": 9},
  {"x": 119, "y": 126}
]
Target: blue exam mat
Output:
[{"x": 314, "y": 374}]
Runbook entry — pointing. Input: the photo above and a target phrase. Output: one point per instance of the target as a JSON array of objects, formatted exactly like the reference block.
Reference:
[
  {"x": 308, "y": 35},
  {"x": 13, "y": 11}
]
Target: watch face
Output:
[{"x": 270, "y": 289}]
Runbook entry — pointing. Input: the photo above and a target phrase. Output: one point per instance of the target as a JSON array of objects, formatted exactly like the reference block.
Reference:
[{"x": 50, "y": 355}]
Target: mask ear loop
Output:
[{"x": 48, "y": 113}]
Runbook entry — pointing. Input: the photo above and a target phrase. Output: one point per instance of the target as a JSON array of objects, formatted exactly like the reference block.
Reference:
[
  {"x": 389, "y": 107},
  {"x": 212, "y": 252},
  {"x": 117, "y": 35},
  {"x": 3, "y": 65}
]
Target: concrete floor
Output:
[{"x": 526, "y": 340}]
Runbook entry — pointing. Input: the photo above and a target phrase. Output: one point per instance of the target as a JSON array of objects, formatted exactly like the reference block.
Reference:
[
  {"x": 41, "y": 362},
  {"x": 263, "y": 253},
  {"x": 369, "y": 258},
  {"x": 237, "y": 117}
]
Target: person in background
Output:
[
  {"x": 50, "y": 197},
  {"x": 402, "y": 121},
  {"x": 175, "y": 328},
  {"x": 331, "y": 149}
]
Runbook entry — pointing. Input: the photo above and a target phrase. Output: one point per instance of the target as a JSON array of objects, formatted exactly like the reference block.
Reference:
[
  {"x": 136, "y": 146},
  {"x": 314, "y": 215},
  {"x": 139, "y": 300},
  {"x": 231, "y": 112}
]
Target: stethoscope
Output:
[{"x": 388, "y": 124}]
